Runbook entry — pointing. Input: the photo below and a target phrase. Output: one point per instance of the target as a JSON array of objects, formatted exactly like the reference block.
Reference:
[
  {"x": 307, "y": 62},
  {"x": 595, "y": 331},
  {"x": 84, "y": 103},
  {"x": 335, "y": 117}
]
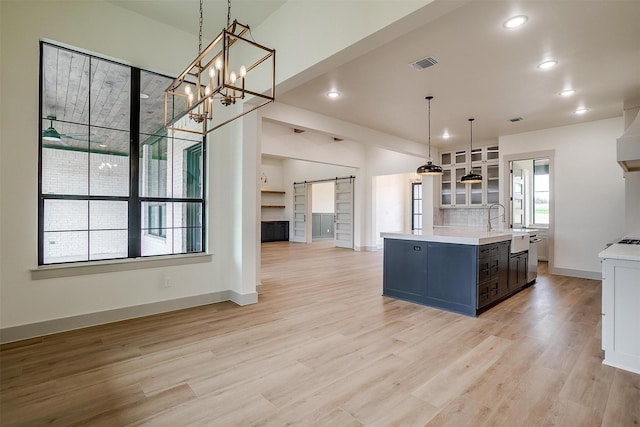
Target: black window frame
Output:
[{"x": 134, "y": 199}]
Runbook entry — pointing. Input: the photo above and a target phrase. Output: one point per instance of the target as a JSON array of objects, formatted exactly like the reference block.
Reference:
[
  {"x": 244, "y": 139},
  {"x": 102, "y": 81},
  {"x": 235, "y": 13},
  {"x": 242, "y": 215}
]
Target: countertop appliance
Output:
[
  {"x": 532, "y": 266},
  {"x": 629, "y": 242},
  {"x": 627, "y": 248}
]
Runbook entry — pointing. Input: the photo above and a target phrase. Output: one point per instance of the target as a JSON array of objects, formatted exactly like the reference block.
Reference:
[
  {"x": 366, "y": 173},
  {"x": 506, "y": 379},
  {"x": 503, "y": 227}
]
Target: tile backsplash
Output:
[{"x": 468, "y": 217}]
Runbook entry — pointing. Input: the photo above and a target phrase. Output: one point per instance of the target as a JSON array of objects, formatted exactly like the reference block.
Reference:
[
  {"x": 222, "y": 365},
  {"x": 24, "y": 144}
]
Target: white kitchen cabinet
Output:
[
  {"x": 621, "y": 313},
  {"x": 455, "y": 165}
]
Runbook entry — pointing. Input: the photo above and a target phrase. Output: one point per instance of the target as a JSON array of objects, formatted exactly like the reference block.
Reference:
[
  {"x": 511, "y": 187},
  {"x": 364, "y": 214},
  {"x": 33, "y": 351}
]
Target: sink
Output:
[{"x": 519, "y": 242}]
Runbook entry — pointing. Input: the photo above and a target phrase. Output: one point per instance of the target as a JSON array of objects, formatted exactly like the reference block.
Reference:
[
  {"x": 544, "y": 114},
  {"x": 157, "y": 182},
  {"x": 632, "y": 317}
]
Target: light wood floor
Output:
[{"x": 322, "y": 347}]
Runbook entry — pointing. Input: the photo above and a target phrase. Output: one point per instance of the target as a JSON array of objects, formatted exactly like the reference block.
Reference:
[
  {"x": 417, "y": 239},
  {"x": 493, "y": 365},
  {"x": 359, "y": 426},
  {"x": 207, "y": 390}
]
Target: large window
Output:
[
  {"x": 541, "y": 191},
  {"x": 416, "y": 206},
  {"x": 113, "y": 182}
]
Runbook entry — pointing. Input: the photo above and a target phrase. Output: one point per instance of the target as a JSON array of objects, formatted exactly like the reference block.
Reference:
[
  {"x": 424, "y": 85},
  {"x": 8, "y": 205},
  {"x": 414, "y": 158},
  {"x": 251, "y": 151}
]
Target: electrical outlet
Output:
[{"x": 167, "y": 282}]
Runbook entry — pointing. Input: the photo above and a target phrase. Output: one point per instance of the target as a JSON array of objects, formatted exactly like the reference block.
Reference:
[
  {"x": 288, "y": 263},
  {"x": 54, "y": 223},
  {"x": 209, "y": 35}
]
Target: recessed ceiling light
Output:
[
  {"x": 515, "y": 21},
  {"x": 446, "y": 135},
  {"x": 581, "y": 110},
  {"x": 333, "y": 94},
  {"x": 567, "y": 92},
  {"x": 103, "y": 145},
  {"x": 144, "y": 96},
  {"x": 548, "y": 64}
]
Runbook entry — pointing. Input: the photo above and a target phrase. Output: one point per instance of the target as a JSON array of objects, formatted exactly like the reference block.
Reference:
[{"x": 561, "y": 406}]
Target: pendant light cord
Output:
[
  {"x": 228, "y": 13},
  {"x": 429, "y": 121},
  {"x": 470, "y": 143}
]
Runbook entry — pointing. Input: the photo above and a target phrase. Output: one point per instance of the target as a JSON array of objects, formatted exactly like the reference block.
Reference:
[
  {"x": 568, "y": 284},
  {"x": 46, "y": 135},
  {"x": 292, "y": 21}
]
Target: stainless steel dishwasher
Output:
[{"x": 532, "y": 266}]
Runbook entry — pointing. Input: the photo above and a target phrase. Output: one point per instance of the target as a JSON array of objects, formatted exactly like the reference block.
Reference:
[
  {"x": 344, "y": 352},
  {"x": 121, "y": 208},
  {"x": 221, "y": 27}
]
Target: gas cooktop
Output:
[
  {"x": 627, "y": 248},
  {"x": 630, "y": 241}
]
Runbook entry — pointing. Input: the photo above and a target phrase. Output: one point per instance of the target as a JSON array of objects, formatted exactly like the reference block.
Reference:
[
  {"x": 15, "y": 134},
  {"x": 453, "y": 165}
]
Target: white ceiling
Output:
[
  {"x": 485, "y": 71},
  {"x": 185, "y": 14}
]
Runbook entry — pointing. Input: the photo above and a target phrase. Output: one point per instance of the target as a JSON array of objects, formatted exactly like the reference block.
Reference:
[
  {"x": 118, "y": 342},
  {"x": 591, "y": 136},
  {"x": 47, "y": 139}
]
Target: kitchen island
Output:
[{"x": 464, "y": 270}]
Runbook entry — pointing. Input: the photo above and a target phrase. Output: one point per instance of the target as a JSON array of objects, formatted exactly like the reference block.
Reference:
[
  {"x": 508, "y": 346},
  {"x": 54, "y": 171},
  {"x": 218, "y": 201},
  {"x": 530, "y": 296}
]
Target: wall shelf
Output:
[{"x": 273, "y": 205}]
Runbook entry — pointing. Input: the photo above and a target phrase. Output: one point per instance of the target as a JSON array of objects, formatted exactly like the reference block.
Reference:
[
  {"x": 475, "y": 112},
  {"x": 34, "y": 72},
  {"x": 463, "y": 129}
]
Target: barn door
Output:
[
  {"x": 344, "y": 213},
  {"x": 299, "y": 232}
]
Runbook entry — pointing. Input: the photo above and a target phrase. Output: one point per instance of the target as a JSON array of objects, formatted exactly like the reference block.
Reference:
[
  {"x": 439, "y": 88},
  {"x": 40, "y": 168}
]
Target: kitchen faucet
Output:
[{"x": 489, "y": 215}]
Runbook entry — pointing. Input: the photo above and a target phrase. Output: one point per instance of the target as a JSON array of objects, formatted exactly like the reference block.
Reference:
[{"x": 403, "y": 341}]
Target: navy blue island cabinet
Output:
[{"x": 460, "y": 278}]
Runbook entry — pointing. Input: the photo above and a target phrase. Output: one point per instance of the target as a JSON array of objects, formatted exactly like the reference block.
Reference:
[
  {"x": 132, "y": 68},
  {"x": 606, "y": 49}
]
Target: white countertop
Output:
[
  {"x": 621, "y": 251},
  {"x": 458, "y": 235}
]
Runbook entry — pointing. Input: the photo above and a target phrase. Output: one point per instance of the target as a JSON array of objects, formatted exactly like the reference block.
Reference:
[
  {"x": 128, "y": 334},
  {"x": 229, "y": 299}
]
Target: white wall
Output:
[
  {"x": 323, "y": 198},
  {"x": 392, "y": 195},
  {"x": 588, "y": 189},
  {"x": 272, "y": 168}
]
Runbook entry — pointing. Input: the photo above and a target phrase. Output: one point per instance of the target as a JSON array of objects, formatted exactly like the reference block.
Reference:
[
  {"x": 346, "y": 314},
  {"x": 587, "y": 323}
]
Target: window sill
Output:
[{"x": 116, "y": 265}]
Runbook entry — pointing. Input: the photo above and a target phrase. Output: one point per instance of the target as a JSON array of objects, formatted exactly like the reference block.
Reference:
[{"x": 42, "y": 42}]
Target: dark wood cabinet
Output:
[
  {"x": 275, "y": 231},
  {"x": 451, "y": 273},
  {"x": 518, "y": 271},
  {"x": 439, "y": 275},
  {"x": 405, "y": 269},
  {"x": 493, "y": 272},
  {"x": 465, "y": 279}
]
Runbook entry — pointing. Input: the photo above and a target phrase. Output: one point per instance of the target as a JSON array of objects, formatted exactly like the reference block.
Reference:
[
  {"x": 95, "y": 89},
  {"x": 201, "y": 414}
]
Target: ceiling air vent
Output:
[
  {"x": 423, "y": 63},
  {"x": 516, "y": 119}
]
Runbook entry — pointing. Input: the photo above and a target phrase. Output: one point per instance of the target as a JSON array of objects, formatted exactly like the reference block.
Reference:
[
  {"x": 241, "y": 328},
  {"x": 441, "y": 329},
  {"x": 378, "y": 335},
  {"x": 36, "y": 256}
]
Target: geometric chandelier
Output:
[{"x": 232, "y": 69}]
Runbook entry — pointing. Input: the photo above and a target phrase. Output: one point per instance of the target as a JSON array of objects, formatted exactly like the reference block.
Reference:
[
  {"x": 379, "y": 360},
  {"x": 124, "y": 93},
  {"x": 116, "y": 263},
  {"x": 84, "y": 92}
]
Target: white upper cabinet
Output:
[{"x": 455, "y": 164}]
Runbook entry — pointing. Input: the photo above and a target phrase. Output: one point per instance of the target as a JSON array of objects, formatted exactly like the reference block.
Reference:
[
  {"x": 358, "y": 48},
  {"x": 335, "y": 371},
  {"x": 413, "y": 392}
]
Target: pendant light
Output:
[
  {"x": 51, "y": 134},
  {"x": 471, "y": 177},
  {"x": 429, "y": 168}
]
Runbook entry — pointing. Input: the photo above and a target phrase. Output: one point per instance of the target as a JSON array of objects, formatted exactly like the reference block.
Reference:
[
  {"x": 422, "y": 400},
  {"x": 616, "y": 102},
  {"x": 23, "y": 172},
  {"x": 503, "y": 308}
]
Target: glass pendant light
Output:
[
  {"x": 471, "y": 177},
  {"x": 429, "y": 168}
]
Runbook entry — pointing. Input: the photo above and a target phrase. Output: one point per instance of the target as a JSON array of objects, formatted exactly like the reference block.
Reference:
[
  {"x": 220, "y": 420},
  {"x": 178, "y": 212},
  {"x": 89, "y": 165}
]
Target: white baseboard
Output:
[
  {"x": 594, "y": 275},
  {"x": 243, "y": 299},
  {"x": 366, "y": 248},
  {"x": 48, "y": 327}
]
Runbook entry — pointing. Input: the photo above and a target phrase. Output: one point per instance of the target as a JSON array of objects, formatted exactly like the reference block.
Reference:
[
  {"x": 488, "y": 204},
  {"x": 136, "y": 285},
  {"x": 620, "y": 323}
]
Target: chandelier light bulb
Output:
[
  {"x": 219, "y": 64},
  {"x": 232, "y": 77},
  {"x": 211, "y": 72},
  {"x": 187, "y": 90},
  {"x": 207, "y": 91},
  {"x": 243, "y": 71}
]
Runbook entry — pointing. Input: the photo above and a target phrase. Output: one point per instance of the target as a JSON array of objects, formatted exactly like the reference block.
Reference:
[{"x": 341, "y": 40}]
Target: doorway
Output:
[
  {"x": 343, "y": 211},
  {"x": 530, "y": 198},
  {"x": 323, "y": 210}
]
